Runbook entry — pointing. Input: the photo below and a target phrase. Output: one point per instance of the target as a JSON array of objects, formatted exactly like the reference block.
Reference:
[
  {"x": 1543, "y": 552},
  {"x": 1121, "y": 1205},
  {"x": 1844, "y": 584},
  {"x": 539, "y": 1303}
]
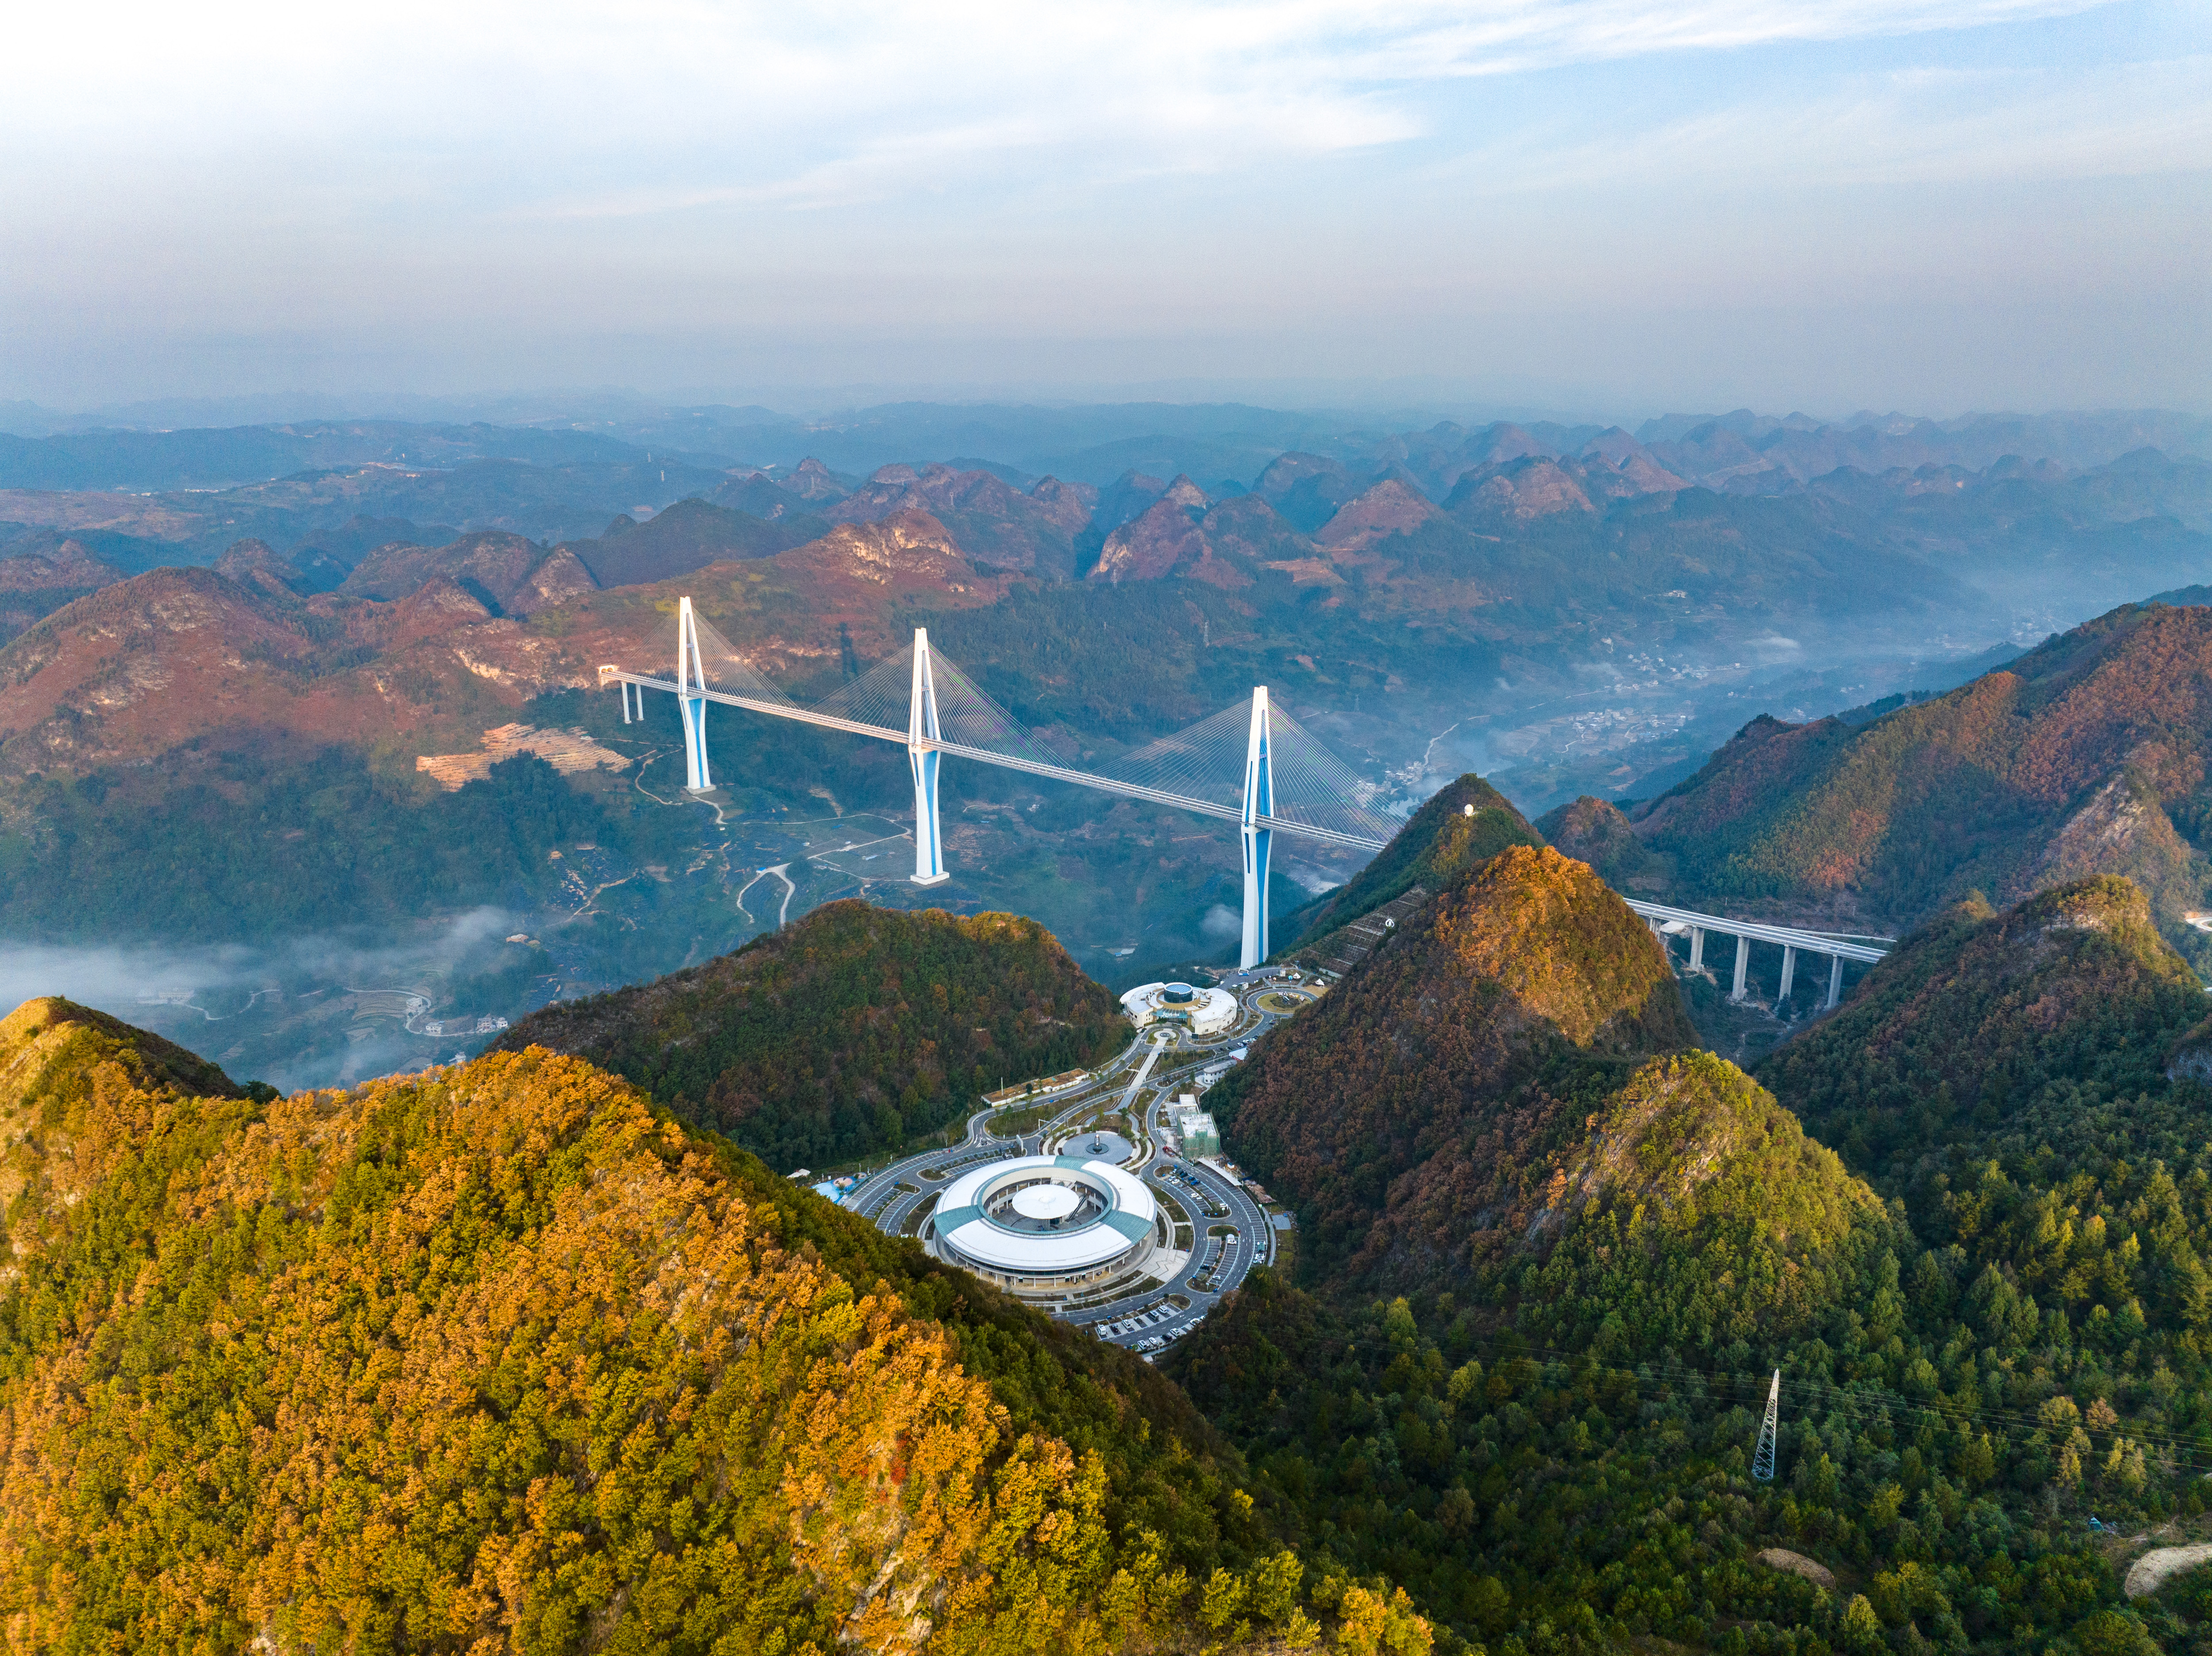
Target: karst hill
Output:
[
  {"x": 1390, "y": 1110},
  {"x": 2029, "y": 1085},
  {"x": 1464, "y": 822},
  {"x": 2084, "y": 757},
  {"x": 498, "y": 1358},
  {"x": 1526, "y": 1343},
  {"x": 854, "y": 1029}
]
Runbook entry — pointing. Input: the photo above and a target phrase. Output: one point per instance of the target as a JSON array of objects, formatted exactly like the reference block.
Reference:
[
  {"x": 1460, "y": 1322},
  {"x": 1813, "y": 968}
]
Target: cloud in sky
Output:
[{"x": 442, "y": 197}]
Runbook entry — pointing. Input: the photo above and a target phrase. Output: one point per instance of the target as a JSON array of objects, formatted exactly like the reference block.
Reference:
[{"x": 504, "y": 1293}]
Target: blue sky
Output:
[{"x": 1607, "y": 205}]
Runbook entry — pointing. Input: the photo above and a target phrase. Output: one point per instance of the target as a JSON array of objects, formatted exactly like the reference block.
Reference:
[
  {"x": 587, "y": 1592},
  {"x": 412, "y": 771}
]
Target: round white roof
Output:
[
  {"x": 1127, "y": 1218},
  {"x": 1046, "y": 1202},
  {"x": 1206, "y": 1010}
]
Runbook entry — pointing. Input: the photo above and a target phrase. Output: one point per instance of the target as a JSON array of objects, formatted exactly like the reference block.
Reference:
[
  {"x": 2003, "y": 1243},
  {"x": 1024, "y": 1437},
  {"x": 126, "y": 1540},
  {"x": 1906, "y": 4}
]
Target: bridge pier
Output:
[
  {"x": 1791, "y": 940},
  {"x": 920, "y": 727},
  {"x": 1259, "y": 802},
  {"x": 691, "y": 677}
]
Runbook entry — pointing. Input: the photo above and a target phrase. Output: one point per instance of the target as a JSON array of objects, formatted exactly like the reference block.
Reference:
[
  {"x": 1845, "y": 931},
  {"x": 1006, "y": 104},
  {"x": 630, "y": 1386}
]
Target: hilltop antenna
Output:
[{"x": 1762, "y": 1460}]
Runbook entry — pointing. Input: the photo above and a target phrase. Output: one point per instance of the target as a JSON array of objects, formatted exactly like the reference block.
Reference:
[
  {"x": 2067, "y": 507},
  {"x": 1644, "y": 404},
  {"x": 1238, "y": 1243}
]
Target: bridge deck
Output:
[
  {"x": 1810, "y": 942},
  {"x": 1004, "y": 761}
]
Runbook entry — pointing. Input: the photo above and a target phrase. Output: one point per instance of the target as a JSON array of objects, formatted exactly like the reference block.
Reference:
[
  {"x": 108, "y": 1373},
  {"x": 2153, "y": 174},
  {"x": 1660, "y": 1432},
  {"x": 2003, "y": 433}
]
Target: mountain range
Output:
[
  {"x": 2083, "y": 756},
  {"x": 1503, "y": 1393},
  {"x": 1568, "y": 609}
]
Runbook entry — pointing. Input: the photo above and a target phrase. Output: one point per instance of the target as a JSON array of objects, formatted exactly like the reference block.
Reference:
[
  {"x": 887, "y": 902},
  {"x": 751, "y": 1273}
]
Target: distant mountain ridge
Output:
[{"x": 2084, "y": 755}]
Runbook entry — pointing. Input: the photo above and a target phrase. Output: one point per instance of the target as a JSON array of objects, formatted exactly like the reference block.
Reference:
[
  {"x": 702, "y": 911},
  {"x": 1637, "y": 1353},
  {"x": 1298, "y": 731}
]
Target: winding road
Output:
[{"x": 1164, "y": 1062}]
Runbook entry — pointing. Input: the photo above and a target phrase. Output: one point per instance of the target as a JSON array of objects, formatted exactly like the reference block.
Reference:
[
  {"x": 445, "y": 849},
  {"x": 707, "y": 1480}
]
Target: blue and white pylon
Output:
[
  {"x": 692, "y": 706},
  {"x": 920, "y": 727},
  {"x": 1259, "y": 802}
]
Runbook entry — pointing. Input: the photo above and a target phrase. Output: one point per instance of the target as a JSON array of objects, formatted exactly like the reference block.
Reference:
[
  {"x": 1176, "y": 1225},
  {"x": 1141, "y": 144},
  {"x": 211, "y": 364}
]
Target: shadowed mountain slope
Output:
[
  {"x": 2022, "y": 1080},
  {"x": 690, "y": 534},
  {"x": 493, "y": 1358},
  {"x": 1594, "y": 831},
  {"x": 1465, "y": 823},
  {"x": 852, "y": 1030},
  {"x": 2086, "y": 756},
  {"x": 1411, "y": 1098}
]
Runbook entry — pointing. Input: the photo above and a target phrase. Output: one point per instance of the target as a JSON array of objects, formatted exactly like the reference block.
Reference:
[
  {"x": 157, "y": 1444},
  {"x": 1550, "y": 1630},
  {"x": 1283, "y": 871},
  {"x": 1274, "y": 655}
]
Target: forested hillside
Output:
[
  {"x": 1410, "y": 1096},
  {"x": 498, "y": 1358},
  {"x": 2086, "y": 756},
  {"x": 1600, "y": 1257},
  {"x": 2022, "y": 1083},
  {"x": 854, "y": 1030},
  {"x": 217, "y": 845},
  {"x": 1464, "y": 822}
]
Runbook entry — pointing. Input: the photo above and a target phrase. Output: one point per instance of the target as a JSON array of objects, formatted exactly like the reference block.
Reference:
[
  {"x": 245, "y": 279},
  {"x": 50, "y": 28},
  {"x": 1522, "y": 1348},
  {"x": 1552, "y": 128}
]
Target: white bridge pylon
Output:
[
  {"x": 921, "y": 730},
  {"x": 1259, "y": 806},
  {"x": 1318, "y": 799},
  {"x": 1287, "y": 783}
]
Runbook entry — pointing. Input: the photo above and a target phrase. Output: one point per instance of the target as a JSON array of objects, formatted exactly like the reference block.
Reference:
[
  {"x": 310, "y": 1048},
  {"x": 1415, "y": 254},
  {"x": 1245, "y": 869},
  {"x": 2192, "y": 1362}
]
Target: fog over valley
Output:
[
  {"x": 356, "y": 698},
  {"x": 1130, "y": 829}
]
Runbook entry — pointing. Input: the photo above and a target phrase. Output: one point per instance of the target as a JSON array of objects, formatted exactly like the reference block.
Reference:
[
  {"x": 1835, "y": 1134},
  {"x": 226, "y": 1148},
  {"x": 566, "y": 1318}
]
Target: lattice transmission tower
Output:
[{"x": 1762, "y": 1460}]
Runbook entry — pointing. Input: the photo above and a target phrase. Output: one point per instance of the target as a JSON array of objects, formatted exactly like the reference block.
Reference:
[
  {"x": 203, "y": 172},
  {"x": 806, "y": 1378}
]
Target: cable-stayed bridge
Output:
[{"x": 1251, "y": 764}]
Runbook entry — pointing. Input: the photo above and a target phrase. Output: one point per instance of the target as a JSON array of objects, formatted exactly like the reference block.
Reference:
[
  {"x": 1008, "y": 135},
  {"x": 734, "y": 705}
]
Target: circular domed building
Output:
[
  {"x": 1044, "y": 1226},
  {"x": 1206, "y": 1011}
]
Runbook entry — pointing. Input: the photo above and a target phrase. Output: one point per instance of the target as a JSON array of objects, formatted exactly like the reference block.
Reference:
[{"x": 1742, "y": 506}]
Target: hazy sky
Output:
[{"x": 1635, "y": 204}]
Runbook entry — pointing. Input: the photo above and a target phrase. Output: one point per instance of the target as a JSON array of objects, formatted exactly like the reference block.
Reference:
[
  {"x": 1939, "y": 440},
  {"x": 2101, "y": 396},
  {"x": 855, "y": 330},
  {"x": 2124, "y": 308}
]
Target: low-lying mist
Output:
[{"x": 322, "y": 1011}]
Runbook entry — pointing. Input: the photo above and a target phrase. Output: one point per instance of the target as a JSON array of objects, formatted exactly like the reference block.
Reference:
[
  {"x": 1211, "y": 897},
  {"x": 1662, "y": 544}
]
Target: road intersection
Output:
[{"x": 1162, "y": 1063}]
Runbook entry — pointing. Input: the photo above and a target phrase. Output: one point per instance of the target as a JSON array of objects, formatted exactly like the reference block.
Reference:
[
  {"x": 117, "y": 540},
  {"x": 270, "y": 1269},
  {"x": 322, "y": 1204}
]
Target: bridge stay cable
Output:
[
  {"x": 1251, "y": 764},
  {"x": 1283, "y": 781}
]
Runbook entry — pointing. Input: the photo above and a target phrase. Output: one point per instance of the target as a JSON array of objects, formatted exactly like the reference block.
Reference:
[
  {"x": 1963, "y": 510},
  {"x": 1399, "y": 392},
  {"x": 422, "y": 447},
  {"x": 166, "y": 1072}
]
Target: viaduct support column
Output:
[
  {"x": 1697, "y": 949},
  {"x": 922, "y": 727},
  {"x": 1789, "y": 971},
  {"x": 1259, "y": 802},
  {"x": 690, "y": 679},
  {"x": 1742, "y": 966},
  {"x": 1835, "y": 980}
]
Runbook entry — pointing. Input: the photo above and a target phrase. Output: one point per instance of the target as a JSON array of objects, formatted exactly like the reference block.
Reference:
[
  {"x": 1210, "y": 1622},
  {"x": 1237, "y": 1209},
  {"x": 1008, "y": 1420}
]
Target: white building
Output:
[
  {"x": 1043, "y": 1227},
  {"x": 1194, "y": 1127},
  {"x": 1205, "y": 1011}
]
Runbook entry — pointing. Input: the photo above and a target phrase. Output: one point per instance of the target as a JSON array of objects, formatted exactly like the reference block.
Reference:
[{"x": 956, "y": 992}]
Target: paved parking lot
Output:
[{"x": 1147, "y": 1319}]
